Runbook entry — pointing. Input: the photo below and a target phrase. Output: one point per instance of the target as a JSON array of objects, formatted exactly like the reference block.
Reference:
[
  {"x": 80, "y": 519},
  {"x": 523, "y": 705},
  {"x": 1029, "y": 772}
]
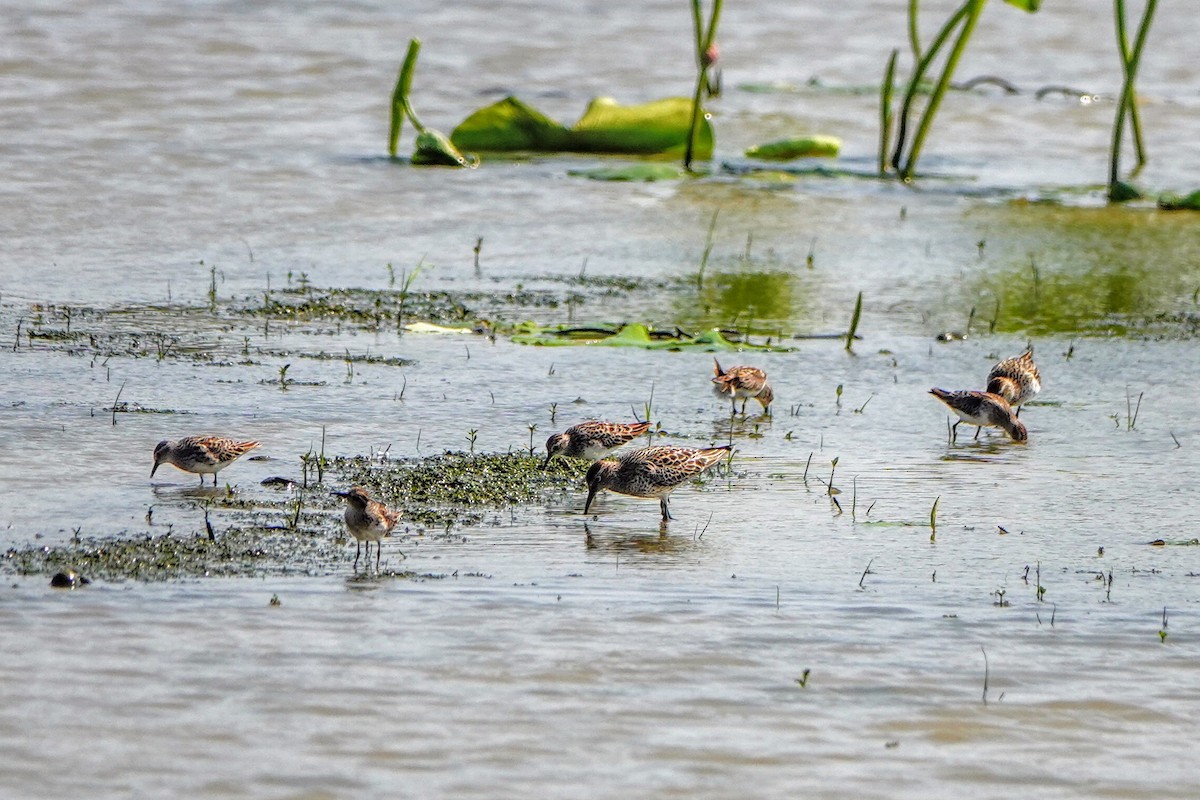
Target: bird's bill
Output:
[
  {"x": 154, "y": 468},
  {"x": 592, "y": 490},
  {"x": 340, "y": 494},
  {"x": 546, "y": 463}
]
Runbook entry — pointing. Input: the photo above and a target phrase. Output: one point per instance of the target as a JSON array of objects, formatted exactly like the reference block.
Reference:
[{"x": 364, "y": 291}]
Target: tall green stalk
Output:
[
  {"x": 914, "y": 80},
  {"x": 973, "y": 9},
  {"x": 886, "y": 116},
  {"x": 401, "y": 108},
  {"x": 1135, "y": 116},
  {"x": 914, "y": 32},
  {"x": 1130, "y": 60},
  {"x": 704, "y": 42}
]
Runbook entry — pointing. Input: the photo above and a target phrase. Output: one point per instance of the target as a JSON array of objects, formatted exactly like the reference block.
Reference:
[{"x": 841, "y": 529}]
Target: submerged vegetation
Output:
[{"x": 302, "y": 535}]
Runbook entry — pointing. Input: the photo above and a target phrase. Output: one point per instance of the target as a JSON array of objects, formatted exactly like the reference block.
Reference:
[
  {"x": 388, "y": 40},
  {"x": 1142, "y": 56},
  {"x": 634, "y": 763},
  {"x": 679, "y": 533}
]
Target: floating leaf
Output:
[
  {"x": 1123, "y": 192},
  {"x": 507, "y": 125},
  {"x": 803, "y": 147},
  {"x": 434, "y": 149},
  {"x": 660, "y": 126},
  {"x": 633, "y": 335},
  {"x": 1174, "y": 202}
]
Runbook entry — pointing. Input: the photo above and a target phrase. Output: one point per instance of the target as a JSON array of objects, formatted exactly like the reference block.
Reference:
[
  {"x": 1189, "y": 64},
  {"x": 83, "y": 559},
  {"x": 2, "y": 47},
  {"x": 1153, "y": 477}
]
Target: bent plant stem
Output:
[
  {"x": 1135, "y": 116},
  {"x": 704, "y": 41},
  {"x": 401, "y": 107},
  {"x": 1130, "y": 67},
  {"x": 973, "y": 9},
  {"x": 914, "y": 33},
  {"x": 886, "y": 116},
  {"x": 914, "y": 80}
]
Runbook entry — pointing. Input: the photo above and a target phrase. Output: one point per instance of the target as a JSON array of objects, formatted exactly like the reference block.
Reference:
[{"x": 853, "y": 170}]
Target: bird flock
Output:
[{"x": 649, "y": 472}]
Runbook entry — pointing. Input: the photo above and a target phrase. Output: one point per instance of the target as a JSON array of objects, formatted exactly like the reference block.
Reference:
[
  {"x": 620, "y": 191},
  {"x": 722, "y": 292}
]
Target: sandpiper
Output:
[
  {"x": 368, "y": 521},
  {"x": 205, "y": 455},
  {"x": 743, "y": 382},
  {"x": 1016, "y": 380},
  {"x": 651, "y": 472},
  {"x": 983, "y": 409},
  {"x": 593, "y": 439}
]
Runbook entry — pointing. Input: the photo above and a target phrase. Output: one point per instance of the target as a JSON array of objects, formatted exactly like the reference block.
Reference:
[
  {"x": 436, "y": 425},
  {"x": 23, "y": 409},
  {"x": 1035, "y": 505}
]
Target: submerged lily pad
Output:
[
  {"x": 630, "y": 172},
  {"x": 1174, "y": 202},
  {"x": 658, "y": 127},
  {"x": 802, "y": 147},
  {"x": 433, "y": 149},
  {"x": 635, "y": 335}
]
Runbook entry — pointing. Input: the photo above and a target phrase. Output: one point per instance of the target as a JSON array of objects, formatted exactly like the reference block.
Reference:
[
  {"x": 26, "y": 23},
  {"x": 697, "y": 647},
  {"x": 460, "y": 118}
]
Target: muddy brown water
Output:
[{"x": 541, "y": 653}]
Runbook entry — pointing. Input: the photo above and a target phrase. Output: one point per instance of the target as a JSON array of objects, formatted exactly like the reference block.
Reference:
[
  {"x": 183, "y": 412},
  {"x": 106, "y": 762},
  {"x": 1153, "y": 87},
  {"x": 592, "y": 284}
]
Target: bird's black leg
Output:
[
  {"x": 357, "y": 552},
  {"x": 378, "y": 553},
  {"x": 978, "y": 428},
  {"x": 666, "y": 514},
  {"x": 954, "y": 431}
]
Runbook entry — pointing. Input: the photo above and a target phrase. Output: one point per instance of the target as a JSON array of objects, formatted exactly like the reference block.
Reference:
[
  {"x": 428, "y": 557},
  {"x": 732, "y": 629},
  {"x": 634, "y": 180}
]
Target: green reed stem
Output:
[
  {"x": 975, "y": 9},
  {"x": 854, "y": 322},
  {"x": 1130, "y": 62},
  {"x": 914, "y": 34},
  {"x": 886, "y": 116},
  {"x": 708, "y": 246},
  {"x": 1135, "y": 116},
  {"x": 919, "y": 70},
  {"x": 704, "y": 40},
  {"x": 401, "y": 108}
]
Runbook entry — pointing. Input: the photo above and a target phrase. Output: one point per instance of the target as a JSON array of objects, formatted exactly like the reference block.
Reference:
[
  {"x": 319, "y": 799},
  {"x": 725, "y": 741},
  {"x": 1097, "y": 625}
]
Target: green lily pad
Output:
[
  {"x": 658, "y": 127},
  {"x": 509, "y": 125},
  {"x": 434, "y": 149},
  {"x": 803, "y": 147},
  {"x": 1174, "y": 202},
  {"x": 632, "y": 335},
  {"x": 1122, "y": 192},
  {"x": 630, "y": 172}
]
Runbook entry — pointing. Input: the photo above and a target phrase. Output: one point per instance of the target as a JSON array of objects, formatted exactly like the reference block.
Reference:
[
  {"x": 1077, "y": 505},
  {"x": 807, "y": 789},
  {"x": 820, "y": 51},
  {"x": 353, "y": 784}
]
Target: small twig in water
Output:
[
  {"x": 115, "y": 402},
  {"x": 865, "y": 573},
  {"x": 986, "y": 674}
]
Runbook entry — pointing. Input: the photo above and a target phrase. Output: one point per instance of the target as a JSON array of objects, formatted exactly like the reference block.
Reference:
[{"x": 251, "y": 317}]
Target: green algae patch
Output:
[
  {"x": 635, "y": 335},
  {"x": 801, "y": 147},
  {"x": 459, "y": 488},
  {"x": 236, "y": 552}
]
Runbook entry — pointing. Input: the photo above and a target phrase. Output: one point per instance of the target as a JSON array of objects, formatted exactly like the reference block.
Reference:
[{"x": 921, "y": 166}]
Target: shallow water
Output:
[{"x": 542, "y": 653}]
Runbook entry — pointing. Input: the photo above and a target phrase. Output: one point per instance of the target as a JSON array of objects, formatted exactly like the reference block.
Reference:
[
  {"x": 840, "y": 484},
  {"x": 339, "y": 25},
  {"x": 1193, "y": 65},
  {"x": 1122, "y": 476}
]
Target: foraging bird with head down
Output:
[
  {"x": 592, "y": 439},
  {"x": 651, "y": 472},
  {"x": 1017, "y": 380},
  {"x": 204, "y": 455},
  {"x": 983, "y": 409},
  {"x": 368, "y": 521},
  {"x": 743, "y": 382}
]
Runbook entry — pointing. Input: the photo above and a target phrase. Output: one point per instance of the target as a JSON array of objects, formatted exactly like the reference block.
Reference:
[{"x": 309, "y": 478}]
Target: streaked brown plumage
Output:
[
  {"x": 743, "y": 382},
  {"x": 651, "y": 472},
  {"x": 205, "y": 455},
  {"x": 1017, "y": 380},
  {"x": 983, "y": 409},
  {"x": 593, "y": 439},
  {"x": 368, "y": 521}
]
